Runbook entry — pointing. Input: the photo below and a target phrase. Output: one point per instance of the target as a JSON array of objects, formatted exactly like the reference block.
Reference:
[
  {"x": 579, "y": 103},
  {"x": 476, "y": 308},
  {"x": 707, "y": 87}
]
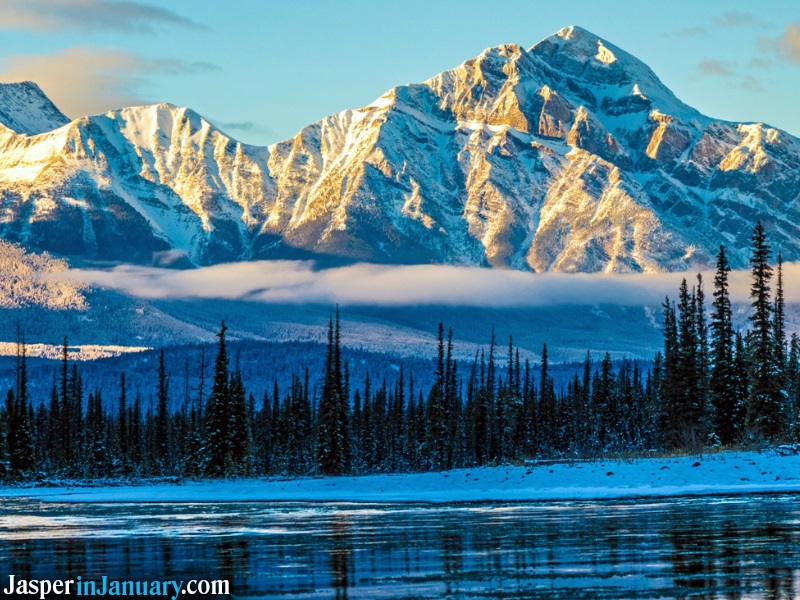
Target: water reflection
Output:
[
  {"x": 341, "y": 556},
  {"x": 704, "y": 548}
]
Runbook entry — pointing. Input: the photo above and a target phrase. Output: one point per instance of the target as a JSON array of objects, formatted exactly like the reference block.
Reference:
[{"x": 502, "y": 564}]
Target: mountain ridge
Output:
[
  {"x": 569, "y": 156},
  {"x": 26, "y": 109}
]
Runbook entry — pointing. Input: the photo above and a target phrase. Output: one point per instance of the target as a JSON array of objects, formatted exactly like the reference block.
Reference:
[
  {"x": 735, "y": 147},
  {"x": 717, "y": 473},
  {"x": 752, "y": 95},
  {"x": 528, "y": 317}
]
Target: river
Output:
[{"x": 737, "y": 547}]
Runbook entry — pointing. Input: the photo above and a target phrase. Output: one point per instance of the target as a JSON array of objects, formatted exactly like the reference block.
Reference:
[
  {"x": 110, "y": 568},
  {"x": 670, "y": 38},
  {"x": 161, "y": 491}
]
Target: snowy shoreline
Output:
[{"x": 728, "y": 473}]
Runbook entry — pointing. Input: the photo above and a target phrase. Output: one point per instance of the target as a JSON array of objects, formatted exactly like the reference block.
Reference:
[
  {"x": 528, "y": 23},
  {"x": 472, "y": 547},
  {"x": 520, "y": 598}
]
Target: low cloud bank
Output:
[{"x": 366, "y": 284}]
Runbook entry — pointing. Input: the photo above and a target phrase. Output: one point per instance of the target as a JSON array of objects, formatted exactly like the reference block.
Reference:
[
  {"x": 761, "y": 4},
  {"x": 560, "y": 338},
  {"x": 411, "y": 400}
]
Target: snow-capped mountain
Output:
[
  {"x": 569, "y": 156},
  {"x": 25, "y": 109}
]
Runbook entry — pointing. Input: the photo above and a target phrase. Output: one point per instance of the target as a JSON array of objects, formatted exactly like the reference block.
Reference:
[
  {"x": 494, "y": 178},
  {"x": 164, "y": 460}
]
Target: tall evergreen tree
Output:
[
  {"x": 765, "y": 409},
  {"x": 741, "y": 388},
  {"x": 239, "y": 426},
  {"x": 436, "y": 434},
  {"x": 452, "y": 404},
  {"x": 673, "y": 385},
  {"x": 547, "y": 405},
  {"x": 779, "y": 324},
  {"x": 604, "y": 406},
  {"x": 162, "y": 433},
  {"x": 333, "y": 428},
  {"x": 19, "y": 430},
  {"x": 490, "y": 400},
  {"x": 689, "y": 411},
  {"x": 218, "y": 449},
  {"x": 123, "y": 433},
  {"x": 793, "y": 387},
  {"x": 703, "y": 368},
  {"x": 65, "y": 417},
  {"x": 722, "y": 385},
  {"x": 136, "y": 433}
]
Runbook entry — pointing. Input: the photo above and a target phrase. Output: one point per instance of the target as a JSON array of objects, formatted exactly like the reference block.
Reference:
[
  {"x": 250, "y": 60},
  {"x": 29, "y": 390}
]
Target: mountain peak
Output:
[
  {"x": 25, "y": 108},
  {"x": 599, "y": 70},
  {"x": 586, "y": 43},
  {"x": 569, "y": 156},
  {"x": 576, "y": 32},
  {"x": 579, "y": 49}
]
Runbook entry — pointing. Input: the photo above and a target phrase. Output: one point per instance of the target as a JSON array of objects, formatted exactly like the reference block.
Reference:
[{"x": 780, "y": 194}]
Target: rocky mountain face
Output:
[
  {"x": 25, "y": 109},
  {"x": 569, "y": 156}
]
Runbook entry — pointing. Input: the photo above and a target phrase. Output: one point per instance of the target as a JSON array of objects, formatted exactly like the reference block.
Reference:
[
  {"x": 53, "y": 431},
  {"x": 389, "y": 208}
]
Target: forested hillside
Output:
[{"x": 356, "y": 412}]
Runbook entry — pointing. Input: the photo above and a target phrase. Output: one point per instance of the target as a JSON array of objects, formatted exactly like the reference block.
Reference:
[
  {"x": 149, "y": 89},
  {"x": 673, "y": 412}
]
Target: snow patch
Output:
[
  {"x": 729, "y": 473},
  {"x": 604, "y": 55}
]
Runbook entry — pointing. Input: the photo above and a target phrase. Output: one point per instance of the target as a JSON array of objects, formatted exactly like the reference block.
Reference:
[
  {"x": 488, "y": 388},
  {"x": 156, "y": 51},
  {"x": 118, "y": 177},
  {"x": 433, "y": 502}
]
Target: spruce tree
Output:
[
  {"x": 54, "y": 449},
  {"x": 22, "y": 459},
  {"x": 741, "y": 388},
  {"x": 765, "y": 410},
  {"x": 18, "y": 441},
  {"x": 452, "y": 403},
  {"x": 343, "y": 400},
  {"x": 701, "y": 402},
  {"x": 687, "y": 409},
  {"x": 123, "y": 433},
  {"x": 793, "y": 386},
  {"x": 586, "y": 424},
  {"x": 722, "y": 384},
  {"x": 162, "y": 433},
  {"x": 136, "y": 429},
  {"x": 547, "y": 404},
  {"x": 357, "y": 434},
  {"x": 64, "y": 414},
  {"x": 779, "y": 325},
  {"x": 239, "y": 429},
  {"x": 672, "y": 388},
  {"x": 96, "y": 454},
  {"x": 604, "y": 405},
  {"x": 490, "y": 398},
  {"x": 396, "y": 422},
  {"x": 263, "y": 436},
  {"x": 505, "y": 401},
  {"x": 436, "y": 434},
  {"x": 482, "y": 413},
  {"x": 73, "y": 420},
  {"x": 4, "y": 423},
  {"x": 333, "y": 428},
  {"x": 218, "y": 450}
]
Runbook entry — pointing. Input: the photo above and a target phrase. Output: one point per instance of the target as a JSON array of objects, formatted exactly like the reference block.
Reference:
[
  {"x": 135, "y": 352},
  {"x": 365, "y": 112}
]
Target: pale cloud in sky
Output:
[
  {"x": 688, "y": 32},
  {"x": 44, "y": 16},
  {"x": 365, "y": 284},
  {"x": 786, "y": 46},
  {"x": 737, "y": 19},
  {"x": 719, "y": 68},
  {"x": 751, "y": 84},
  {"x": 789, "y": 43},
  {"x": 85, "y": 81}
]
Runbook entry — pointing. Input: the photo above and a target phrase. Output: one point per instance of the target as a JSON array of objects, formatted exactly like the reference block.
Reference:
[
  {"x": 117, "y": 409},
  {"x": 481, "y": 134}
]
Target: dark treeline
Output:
[
  {"x": 721, "y": 386},
  {"x": 711, "y": 386}
]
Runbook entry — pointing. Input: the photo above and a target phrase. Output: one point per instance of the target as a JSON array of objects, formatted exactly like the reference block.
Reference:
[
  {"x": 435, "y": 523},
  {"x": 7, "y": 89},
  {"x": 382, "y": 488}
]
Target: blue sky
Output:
[{"x": 263, "y": 69}]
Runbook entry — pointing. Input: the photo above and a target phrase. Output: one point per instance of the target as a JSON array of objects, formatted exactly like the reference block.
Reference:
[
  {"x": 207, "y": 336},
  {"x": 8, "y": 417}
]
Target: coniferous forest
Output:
[{"x": 710, "y": 386}]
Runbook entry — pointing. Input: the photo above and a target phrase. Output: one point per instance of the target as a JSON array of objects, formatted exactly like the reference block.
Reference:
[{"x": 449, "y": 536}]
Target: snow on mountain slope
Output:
[
  {"x": 29, "y": 280},
  {"x": 24, "y": 108},
  {"x": 569, "y": 156},
  {"x": 132, "y": 185}
]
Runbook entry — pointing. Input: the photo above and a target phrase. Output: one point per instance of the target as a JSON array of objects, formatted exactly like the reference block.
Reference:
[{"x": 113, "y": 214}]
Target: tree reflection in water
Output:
[{"x": 703, "y": 548}]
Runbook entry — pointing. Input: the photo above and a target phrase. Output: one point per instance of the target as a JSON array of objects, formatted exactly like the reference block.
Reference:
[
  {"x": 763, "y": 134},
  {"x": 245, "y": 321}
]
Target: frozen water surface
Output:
[{"x": 735, "y": 548}]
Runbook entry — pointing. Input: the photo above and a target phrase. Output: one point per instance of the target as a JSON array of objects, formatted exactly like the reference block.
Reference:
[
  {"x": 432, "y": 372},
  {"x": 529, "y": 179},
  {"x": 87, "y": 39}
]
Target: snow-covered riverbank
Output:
[{"x": 724, "y": 473}]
